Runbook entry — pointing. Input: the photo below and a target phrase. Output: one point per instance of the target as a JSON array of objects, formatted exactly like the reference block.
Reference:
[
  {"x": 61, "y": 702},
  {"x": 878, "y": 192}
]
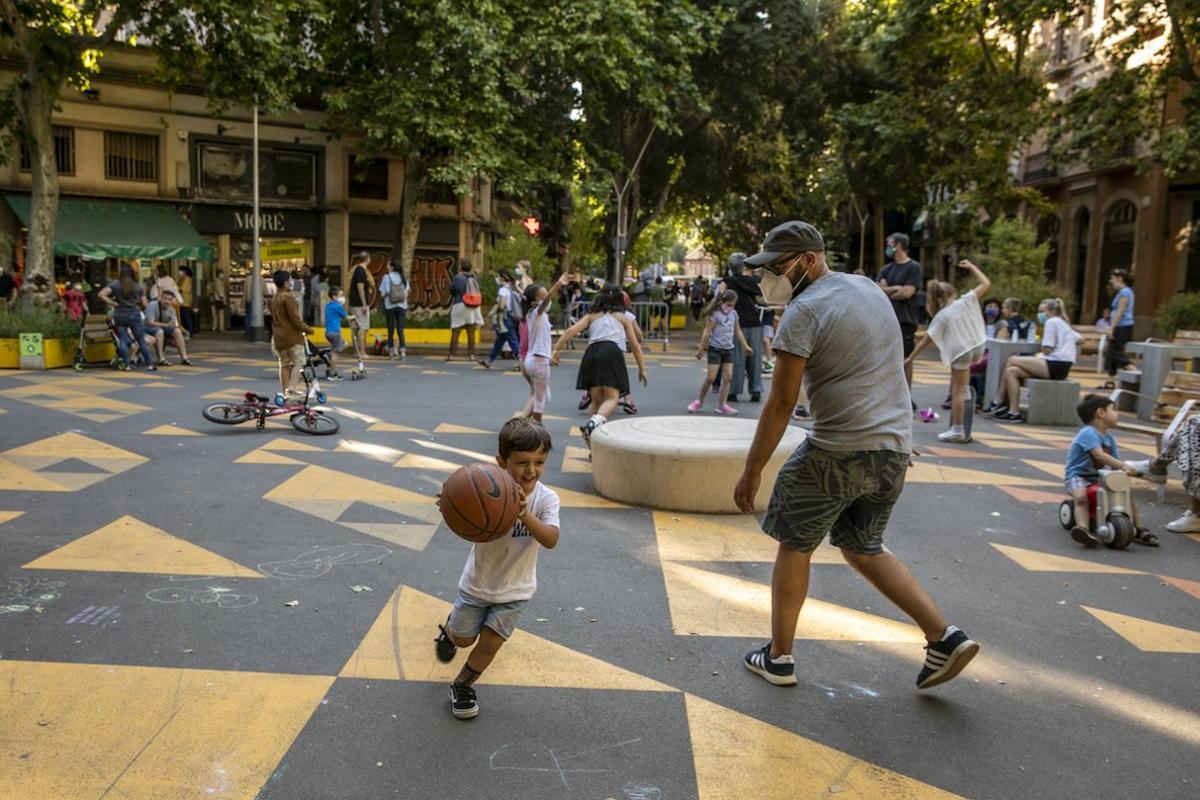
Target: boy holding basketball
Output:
[{"x": 501, "y": 575}]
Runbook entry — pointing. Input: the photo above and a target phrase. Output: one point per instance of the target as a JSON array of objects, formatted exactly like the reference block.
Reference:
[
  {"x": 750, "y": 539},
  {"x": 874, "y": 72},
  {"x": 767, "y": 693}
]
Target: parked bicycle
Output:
[{"x": 303, "y": 413}]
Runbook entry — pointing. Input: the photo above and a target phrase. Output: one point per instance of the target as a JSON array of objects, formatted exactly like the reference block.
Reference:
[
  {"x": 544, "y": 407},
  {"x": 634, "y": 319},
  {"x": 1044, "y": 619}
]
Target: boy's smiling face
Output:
[{"x": 525, "y": 467}]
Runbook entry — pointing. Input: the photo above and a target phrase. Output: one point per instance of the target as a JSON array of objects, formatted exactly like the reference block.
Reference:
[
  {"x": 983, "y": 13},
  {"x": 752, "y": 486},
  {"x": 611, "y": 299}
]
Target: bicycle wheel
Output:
[
  {"x": 226, "y": 413},
  {"x": 316, "y": 423}
]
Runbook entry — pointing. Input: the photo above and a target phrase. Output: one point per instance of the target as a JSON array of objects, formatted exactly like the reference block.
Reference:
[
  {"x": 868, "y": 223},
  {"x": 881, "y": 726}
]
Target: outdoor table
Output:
[
  {"x": 1157, "y": 358},
  {"x": 998, "y": 352}
]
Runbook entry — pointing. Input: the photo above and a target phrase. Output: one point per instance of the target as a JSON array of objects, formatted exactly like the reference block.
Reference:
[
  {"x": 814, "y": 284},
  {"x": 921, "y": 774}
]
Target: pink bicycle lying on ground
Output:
[{"x": 305, "y": 417}]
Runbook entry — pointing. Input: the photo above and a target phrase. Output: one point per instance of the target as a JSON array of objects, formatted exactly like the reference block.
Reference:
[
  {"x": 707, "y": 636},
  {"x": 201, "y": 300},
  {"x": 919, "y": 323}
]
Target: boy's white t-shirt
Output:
[
  {"x": 505, "y": 570},
  {"x": 539, "y": 333},
  {"x": 958, "y": 328}
]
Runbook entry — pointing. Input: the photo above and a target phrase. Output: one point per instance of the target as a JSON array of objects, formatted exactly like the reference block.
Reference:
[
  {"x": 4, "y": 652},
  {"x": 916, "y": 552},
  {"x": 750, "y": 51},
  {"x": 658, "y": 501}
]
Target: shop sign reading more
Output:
[{"x": 284, "y": 251}]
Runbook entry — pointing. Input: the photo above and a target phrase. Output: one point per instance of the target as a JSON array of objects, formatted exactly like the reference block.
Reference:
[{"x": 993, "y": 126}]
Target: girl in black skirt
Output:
[{"x": 602, "y": 372}]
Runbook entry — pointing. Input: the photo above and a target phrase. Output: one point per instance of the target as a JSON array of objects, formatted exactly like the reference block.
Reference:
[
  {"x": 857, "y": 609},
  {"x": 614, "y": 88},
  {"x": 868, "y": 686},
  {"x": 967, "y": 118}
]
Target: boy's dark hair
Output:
[
  {"x": 334, "y": 291},
  {"x": 1091, "y": 405},
  {"x": 523, "y": 435}
]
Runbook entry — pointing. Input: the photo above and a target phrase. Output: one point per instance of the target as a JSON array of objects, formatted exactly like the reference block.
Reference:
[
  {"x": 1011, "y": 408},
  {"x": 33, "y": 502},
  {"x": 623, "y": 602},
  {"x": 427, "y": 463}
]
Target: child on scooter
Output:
[{"x": 1092, "y": 448}]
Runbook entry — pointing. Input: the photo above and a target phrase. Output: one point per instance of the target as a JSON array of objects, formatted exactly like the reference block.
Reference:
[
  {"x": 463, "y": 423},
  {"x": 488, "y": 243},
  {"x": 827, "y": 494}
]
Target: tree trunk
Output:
[
  {"x": 408, "y": 229},
  {"x": 34, "y": 105},
  {"x": 880, "y": 236}
]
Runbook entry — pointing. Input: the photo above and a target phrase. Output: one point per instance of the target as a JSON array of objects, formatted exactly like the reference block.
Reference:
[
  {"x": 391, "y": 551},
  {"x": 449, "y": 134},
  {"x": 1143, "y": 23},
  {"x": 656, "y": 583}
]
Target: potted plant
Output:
[{"x": 59, "y": 338}]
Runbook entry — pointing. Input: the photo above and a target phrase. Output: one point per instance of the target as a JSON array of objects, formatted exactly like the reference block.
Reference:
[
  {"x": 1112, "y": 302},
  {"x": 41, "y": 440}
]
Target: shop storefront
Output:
[
  {"x": 289, "y": 240},
  {"x": 92, "y": 238}
]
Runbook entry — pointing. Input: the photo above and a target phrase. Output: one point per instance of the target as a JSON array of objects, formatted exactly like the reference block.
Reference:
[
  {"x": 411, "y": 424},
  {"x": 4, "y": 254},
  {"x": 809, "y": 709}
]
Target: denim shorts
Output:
[
  {"x": 717, "y": 357},
  {"x": 471, "y": 615}
]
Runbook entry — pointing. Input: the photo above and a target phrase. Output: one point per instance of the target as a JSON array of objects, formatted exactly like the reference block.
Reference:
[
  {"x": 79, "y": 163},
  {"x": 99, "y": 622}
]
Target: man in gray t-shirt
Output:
[{"x": 837, "y": 336}]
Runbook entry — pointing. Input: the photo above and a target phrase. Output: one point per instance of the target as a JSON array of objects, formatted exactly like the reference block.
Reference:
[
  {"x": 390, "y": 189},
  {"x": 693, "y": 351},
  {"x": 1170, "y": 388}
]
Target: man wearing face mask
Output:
[
  {"x": 836, "y": 337},
  {"x": 746, "y": 369},
  {"x": 900, "y": 280}
]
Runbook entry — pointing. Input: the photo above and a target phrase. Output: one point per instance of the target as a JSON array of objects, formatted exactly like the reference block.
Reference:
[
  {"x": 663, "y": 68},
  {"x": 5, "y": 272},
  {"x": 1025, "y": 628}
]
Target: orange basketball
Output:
[{"x": 480, "y": 502}]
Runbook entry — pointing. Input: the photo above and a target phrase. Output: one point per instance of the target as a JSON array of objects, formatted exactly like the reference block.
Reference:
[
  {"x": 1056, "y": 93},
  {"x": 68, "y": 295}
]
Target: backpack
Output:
[
  {"x": 514, "y": 303},
  {"x": 397, "y": 289},
  {"x": 472, "y": 297}
]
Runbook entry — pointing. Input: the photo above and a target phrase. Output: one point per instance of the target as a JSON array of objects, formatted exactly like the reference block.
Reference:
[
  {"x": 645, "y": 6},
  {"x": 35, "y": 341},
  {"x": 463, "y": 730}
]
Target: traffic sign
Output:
[{"x": 532, "y": 225}]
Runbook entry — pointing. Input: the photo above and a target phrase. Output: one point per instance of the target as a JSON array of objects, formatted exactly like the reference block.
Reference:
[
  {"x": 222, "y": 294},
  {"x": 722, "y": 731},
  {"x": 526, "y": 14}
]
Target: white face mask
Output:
[{"x": 777, "y": 290}]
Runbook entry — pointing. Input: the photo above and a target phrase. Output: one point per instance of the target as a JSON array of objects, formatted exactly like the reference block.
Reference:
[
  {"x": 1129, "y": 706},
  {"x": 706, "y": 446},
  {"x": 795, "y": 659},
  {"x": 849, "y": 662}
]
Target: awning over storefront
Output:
[{"x": 109, "y": 229}]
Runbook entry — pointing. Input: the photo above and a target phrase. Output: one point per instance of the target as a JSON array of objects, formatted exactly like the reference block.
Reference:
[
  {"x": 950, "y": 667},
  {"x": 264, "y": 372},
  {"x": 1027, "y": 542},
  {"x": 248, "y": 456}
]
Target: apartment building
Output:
[
  {"x": 1105, "y": 219},
  {"x": 138, "y": 163}
]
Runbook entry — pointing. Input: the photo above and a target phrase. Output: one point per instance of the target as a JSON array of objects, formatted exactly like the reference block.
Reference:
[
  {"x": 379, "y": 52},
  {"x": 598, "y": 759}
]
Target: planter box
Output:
[
  {"x": 56, "y": 353},
  {"x": 411, "y": 336}
]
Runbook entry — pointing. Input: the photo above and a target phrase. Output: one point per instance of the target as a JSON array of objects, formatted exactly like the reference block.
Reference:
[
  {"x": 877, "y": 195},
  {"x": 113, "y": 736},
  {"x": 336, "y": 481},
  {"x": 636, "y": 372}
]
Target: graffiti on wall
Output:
[{"x": 429, "y": 279}]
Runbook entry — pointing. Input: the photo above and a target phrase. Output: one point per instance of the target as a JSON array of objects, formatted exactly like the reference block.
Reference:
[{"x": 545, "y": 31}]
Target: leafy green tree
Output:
[
  {"x": 237, "y": 51},
  {"x": 513, "y": 244},
  {"x": 1014, "y": 261}
]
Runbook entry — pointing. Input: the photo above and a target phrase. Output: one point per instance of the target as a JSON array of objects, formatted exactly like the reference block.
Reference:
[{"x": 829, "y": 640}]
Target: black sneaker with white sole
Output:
[
  {"x": 780, "y": 671},
  {"x": 462, "y": 702},
  {"x": 586, "y": 431},
  {"x": 946, "y": 658},
  {"x": 444, "y": 647}
]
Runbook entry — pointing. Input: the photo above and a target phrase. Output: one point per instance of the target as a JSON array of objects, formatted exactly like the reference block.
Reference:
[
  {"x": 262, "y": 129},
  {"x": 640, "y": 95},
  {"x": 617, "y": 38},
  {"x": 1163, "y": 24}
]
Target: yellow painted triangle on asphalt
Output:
[
  {"x": 319, "y": 483},
  {"x": 171, "y": 430},
  {"x": 130, "y": 545},
  {"x": 283, "y": 443},
  {"x": 237, "y": 378},
  {"x": 73, "y": 445},
  {"x": 722, "y": 537},
  {"x": 711, "y": 604},
  {"x": 569, "y": 498},
  {"x": 418, "y": 461},
  {"x": 266, "y": 457},
  {"x": 738, "y": 756},
  {"x": 1147, "y": 636},
  {"x": 391, "y": 427},
  {"x": 6, "y": 516},
  {"x": 445, "y": 448},
  {"x": 576, "y": 466},
  {"x": 926, "y": 472},
  {"x": 14, "y": 478},
  {"x": 399, "y": 646},
  {"x": 414, "y": 537},
  {"x": 1054, "y": 469},
  {"x": 1036, "y": 561},
  {"x": 450, "y": 427},
  {"x": 178, "y": 742}
]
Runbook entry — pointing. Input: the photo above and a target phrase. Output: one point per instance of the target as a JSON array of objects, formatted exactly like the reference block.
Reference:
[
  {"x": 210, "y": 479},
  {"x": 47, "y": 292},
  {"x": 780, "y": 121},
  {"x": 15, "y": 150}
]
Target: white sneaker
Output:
[
  {"x": 1188, "y": 523},
  {"x": 953, "y": 437}
]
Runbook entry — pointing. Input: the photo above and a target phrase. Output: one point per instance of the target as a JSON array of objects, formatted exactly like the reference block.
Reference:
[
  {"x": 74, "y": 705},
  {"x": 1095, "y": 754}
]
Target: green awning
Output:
[{"x": 109, "y": 229}]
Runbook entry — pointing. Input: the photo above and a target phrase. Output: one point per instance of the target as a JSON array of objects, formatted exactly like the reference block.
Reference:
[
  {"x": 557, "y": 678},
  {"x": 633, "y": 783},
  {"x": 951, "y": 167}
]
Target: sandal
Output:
[
  {"x": 1144, "y": 536},
  {"x": 1107, "y": 385}
]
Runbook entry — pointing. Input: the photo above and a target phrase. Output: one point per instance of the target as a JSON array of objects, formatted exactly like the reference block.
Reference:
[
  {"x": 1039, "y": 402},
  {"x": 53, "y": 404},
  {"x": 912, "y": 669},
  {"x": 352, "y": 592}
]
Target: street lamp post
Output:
[
  {"x": 254, "y": 310},
  {"x": 623, "y": 229}
]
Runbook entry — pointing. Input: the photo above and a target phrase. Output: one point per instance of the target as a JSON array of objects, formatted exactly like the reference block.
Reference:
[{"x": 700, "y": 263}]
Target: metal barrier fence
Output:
[{"x": 653, "y": 320}]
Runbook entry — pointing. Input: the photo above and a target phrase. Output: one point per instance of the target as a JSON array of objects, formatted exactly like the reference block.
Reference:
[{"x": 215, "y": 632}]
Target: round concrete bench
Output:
[{"x": 681, "y": 463}]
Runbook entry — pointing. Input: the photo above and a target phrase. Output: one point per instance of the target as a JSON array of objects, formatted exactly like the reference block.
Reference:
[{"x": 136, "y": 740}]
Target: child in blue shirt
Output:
[
  {"x": 335, "y": 314},
  {"x": 1092, "y": 448}
]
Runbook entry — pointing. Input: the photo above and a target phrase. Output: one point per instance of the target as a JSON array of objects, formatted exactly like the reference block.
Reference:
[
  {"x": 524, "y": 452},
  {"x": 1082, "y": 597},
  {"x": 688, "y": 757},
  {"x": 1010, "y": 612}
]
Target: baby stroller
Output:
[
  {"x": 97, "y": 329},
  {"x": 314, "y": 357}
]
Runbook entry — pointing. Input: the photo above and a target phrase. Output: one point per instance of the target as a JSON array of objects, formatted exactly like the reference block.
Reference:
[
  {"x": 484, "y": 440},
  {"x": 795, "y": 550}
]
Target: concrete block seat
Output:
[
  {"x": 681, "y": 463},
  {"x": 1052, "y": 402}
]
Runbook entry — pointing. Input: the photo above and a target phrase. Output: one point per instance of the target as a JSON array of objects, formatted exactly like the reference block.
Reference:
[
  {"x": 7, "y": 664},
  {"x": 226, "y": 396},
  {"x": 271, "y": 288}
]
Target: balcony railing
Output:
[{"x": 1038, "y": 168}]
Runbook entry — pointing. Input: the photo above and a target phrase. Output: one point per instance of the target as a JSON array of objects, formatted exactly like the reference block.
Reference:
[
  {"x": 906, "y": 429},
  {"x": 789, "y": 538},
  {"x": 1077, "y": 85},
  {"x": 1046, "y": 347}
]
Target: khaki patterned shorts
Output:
[
  {"x": 293, "y": 356},
  {"x": 845, "y": 495}
]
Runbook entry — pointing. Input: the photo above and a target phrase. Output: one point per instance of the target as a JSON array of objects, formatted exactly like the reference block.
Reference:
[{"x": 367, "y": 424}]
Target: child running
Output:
[
  {"x": 335, "y": 313},
  {"x": 720, "y": 333},
  {"x": 602, "y": 371},
  {"x": 958, "y": 331},
  {"x": 536, "y": 305},
  {"x": 1092, "y": 448},
  {"x": 501, "y": 576}
]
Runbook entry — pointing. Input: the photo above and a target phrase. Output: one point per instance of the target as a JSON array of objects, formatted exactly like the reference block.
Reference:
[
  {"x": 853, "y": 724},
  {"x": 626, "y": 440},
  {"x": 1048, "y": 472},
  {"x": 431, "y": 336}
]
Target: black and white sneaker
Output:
[
  {"x": 444, "y": 647},
  {"x": 780, "y": 671},
  {"x": 946, "y": 658},
  {"x": 586, "y": 430},
  {"x": 462, "y": 702}
]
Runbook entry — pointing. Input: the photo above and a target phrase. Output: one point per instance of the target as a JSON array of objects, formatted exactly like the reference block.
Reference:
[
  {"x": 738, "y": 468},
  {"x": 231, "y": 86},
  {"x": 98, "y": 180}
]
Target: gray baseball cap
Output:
[{"x": 794, "y": 236}]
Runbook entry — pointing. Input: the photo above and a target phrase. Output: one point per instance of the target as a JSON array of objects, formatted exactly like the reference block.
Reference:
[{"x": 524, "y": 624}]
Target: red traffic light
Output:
[{"x": 532, "y": 225}]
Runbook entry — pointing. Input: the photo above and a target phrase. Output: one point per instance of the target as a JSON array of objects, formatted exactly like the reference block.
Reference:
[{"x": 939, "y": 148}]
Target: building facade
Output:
[
  {"x": 129, "y": 144},
  {"x": 1115, "y": 218}
]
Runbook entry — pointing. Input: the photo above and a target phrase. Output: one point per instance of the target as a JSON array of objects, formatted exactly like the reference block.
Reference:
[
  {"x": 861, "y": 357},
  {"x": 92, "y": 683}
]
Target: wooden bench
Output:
[{"x": 1178, "y": 399}]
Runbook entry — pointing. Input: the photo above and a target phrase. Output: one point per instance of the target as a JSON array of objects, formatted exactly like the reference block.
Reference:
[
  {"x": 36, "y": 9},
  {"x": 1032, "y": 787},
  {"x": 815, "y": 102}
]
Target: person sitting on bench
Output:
[
  {"x": 162, "y": 322},
  {"x": 1053, "y": 363}
]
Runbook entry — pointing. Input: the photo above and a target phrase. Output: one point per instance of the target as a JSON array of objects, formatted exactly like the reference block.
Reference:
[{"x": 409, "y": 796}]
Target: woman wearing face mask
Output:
[
  {"x": 1053, "y": 363},
  {"x": 1122, "y": 325},
  {"x": 721, "y": 333}
]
